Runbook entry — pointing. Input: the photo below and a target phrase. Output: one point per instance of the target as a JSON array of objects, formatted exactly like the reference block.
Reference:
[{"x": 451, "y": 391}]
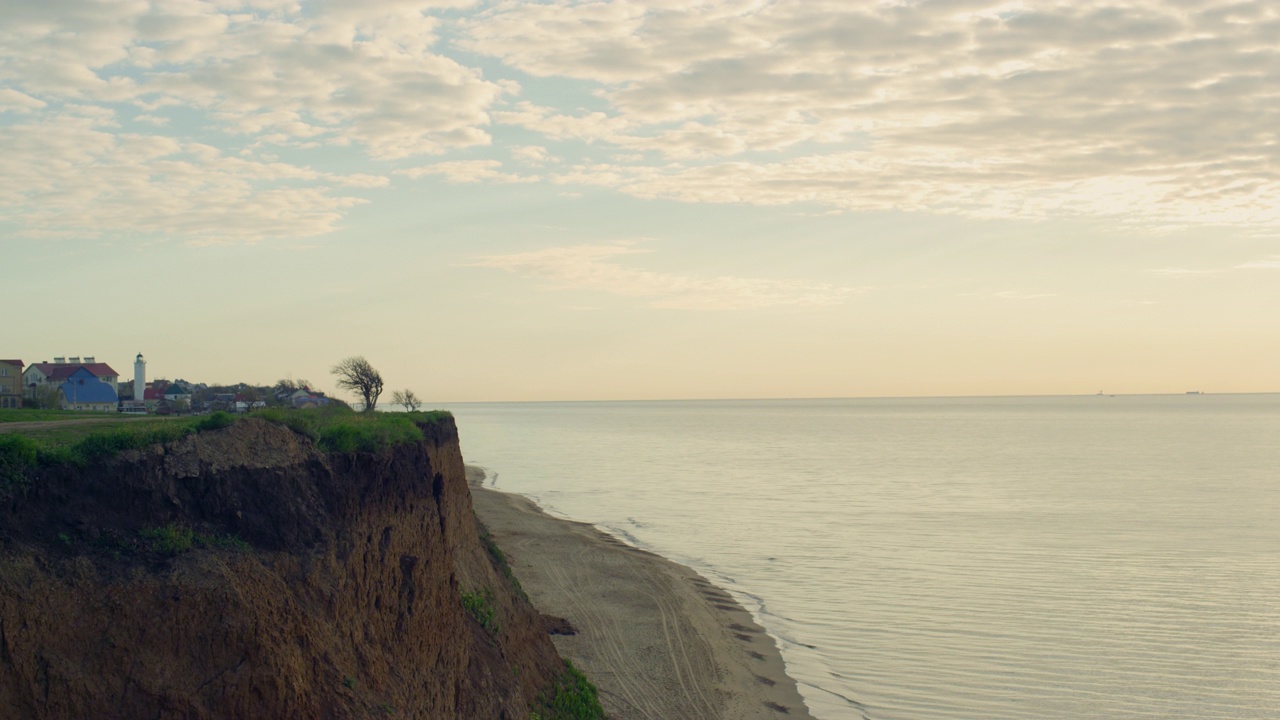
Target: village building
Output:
[
  {"x": 153, "y": 396},
  {"x": 82, "y": 390},
  {"x": 176, "y": 392},
  {"x": 57, "y": 372},
  {"x": 12, "y": 387}
]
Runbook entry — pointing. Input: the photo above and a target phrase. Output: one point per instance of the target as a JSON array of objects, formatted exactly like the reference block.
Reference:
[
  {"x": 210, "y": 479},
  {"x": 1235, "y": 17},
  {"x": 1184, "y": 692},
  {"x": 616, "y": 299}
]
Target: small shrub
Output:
[
  {"x": 349, "y": 682},
  {"x": 18, "y": 454},
  {"x": 99, "y": 446},
  {"x": 57, "y": 455},
  {"x": 172, "y": 539},
  {"x": 429, "y": 417},
  {"x": 570, "y": 697},
  {"x": 214, "y": 421},
  {"x": 223, "y": 542},
  {"x": 345, "y": 439},
  {"x": 176, "y": 538},
  {"x": 480, "y": 606},
  {"x": 500, "y": 559}
]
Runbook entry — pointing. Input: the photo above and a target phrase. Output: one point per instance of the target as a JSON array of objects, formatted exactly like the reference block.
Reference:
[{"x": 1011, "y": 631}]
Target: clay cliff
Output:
[{"x": 243, "y": 573}]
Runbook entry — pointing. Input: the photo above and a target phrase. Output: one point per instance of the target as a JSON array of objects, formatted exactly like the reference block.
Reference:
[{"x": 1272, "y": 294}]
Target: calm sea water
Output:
[{"x": 975, "y": 559}]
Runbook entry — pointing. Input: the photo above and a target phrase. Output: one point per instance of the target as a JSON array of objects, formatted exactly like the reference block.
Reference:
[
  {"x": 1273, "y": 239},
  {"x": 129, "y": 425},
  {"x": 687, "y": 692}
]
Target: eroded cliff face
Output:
[{"x": 347, "y": 603}]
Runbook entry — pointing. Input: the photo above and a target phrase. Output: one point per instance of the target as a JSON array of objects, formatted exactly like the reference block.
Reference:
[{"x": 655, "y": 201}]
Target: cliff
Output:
[{"x": 243, "y": 573}]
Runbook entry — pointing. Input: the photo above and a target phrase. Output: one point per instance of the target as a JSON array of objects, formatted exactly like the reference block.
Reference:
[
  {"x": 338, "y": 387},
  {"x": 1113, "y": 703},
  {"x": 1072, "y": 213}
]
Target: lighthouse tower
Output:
[{"x": 140, "y": 380}]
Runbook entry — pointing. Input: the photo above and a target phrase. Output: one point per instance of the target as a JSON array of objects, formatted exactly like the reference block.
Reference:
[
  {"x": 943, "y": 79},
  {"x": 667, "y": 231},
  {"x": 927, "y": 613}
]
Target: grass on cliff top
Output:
[
  {"x": 340, "y": 429},
  {"x": 12, "y": 415},
  {"x": 57, "y": 444},
  {"x": 334, "y": 429}
]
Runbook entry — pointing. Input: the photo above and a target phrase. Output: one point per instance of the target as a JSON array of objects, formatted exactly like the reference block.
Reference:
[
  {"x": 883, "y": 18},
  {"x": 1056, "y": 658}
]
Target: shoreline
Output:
[{"x": 659, "y": 641}]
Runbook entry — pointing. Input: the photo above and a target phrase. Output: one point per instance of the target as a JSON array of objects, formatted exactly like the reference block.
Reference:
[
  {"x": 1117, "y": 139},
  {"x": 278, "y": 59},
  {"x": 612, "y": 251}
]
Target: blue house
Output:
[{"x": 84, "y": 391}]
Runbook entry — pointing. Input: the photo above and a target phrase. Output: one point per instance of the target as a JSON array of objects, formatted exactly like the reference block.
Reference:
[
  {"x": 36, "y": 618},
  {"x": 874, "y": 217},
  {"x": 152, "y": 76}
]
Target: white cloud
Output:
[
  {"x": 69, "y": 175},
  {"x": 1177, "y": 272},
  {"x": 1271, "y": 263},
  {"x": 156, "y": 120},
  {"x": 343, "y": 73},
  {"x": 1016, "y": 295},
  {"x": 1155, "y": 112},
  {"x": 12, "y": 100},
  {"x": 467, "y": 171},
  {"x": 594, "y": 267},
  {"x": 339, "y": 71},
  {"x": 531, "y": 154}
]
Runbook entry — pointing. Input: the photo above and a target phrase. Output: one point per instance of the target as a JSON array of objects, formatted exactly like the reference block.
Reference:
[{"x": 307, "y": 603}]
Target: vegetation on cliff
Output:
[
  {"x": 82, "y": 445},
  {"x": 341, "y": 429},
  {"x": 245, "y": 571},
  {"x": 570, "y": 697},
  {"x": 335, "y": 428}
]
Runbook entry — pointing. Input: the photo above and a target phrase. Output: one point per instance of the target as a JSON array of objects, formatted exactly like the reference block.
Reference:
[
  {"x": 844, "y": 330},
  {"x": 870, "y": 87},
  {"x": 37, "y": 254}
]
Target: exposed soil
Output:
[{"x": 346, "y": 603}]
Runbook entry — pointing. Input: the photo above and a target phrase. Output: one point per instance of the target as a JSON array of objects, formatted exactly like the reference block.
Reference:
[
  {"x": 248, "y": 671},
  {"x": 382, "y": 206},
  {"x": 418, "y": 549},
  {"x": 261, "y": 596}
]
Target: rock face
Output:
[{"x": 347, "y": 603}]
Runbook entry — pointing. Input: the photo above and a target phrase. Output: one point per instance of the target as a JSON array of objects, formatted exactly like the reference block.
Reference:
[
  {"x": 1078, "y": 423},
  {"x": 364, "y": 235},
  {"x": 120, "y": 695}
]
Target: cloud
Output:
[
  {"x": 467, "y": 171},
  {"x": 77, "y": 176},
  {"x": 1271, "y": 263},
  {"x": 338, "y": 71},
  {"x": 1177, "y": 272},
  {"x": 594, "y": 267},
  {"x": 531, "y": 154},
  {"x": 1156, "y": 113},
  {"x": 253, "y": 76},
  {"x": 14, "y": 101},
  {"x": 1010, "y": 295},
  {"x": 1153, "y": 113}
]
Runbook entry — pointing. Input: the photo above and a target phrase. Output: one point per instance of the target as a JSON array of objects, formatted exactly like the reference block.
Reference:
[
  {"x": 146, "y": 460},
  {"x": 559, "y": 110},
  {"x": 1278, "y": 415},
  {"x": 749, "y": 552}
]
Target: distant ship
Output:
[{"x": 1194, "y": 392}]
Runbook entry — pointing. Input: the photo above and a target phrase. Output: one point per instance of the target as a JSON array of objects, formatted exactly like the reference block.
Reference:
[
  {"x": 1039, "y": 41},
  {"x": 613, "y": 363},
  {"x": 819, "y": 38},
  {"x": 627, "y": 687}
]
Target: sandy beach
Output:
[{"x": 659, "y": 640}]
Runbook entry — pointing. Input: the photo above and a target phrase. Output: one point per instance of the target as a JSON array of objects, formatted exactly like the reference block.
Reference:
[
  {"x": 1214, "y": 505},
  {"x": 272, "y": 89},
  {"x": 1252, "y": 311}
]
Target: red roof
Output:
[
  {"x": 60, "y": 372},
  {"x": 154, "y": 393},
  {"x": 12, "y": 362}
]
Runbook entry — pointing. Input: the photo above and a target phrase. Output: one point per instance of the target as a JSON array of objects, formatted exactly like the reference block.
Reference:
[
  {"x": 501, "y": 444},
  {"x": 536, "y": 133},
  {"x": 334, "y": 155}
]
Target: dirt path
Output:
[
  {"x": 659, "y": 641},
  {"x": 45, "y": 424}
]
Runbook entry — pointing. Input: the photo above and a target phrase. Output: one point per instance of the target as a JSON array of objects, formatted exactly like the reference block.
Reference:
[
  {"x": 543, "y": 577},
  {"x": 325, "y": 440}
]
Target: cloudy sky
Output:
[{"x": 572, "y": 199}]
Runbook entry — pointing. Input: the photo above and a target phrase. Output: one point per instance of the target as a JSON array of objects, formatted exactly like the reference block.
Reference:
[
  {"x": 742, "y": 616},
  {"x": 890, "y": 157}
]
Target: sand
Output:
[{"x": 658, "y": 640}]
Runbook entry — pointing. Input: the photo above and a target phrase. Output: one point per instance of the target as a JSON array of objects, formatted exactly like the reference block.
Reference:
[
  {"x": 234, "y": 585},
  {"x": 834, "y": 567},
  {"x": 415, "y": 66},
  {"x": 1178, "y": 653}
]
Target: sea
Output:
[{"x": 1020, "y": 558}]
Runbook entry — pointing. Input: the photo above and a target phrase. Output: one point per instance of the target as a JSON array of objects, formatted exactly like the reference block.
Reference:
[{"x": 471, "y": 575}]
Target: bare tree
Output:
[
  {"x": 47, "y": 396},
  {"x": 357, "y": 375},
  {"x": 407, "y": 399}
]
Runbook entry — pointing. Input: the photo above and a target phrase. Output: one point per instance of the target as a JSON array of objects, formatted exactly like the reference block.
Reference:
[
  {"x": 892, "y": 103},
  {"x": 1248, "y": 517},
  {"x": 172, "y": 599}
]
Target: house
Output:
[
  {"x": 11, "y": 384},
  {"x": 243, "y": 403},
  {"x": 176, "y": 392},
  {"x": 153, "y": 396},
  {"x": 56, "y": 373},
  {"x": 306, "y": 398},
  {"x": 82, "y": 390}
]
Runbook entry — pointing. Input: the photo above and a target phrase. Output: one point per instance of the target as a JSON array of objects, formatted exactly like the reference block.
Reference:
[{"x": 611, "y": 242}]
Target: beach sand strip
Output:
[{"x": 658, "y": 640}]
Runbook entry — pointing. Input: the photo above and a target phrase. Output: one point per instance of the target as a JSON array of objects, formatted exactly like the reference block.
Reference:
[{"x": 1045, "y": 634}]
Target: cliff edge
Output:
[{"x": 244, "y": 573}]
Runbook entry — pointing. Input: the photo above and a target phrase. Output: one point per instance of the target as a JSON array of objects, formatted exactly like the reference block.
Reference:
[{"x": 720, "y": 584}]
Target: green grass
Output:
[
  {"x": 500, "y": 559},
  {"x": 340, "y": 429},
  {"x": 480, "y": 606},
  {"x": 570, "y": 697},
  {"x": 177, "y": 538},
  {"x": 334, "y": 429},
  {"x": 84, "y": 444},
  {"x": 9, "y": 415},
  {"x": 18, "y": 454}
]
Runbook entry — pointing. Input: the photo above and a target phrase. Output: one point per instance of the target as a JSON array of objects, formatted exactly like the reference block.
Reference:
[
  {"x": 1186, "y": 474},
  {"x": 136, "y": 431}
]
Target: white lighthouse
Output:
[{"x": 140, "y": 380}]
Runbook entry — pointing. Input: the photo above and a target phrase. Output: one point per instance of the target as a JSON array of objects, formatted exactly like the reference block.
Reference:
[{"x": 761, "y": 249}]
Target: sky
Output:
[{"x": 616, "y": 199}]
